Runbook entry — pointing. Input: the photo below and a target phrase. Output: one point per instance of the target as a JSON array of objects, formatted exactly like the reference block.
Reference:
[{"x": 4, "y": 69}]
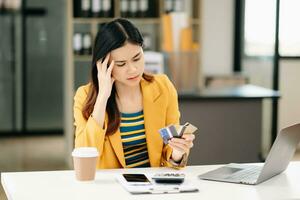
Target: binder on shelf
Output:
[
  {"x": 179, "y": 20},
  {"x": 168, "y": 6},
  {"x": 82, "y": 43},
  {"x": 173, "y": 24},
  {"x": 77, "y": 44},
  {"x": 167, "y": 33},
  {"x": 124, "y": 8},
  {"x": 153, "y": 8},
  {"x": 186, "y": 39},
  {"x": 178, "y": 6},
  {"x": 107, "y": 8},
  {"x": 133, "y": 8},
  {"x": 87, "y": 44},
  {"x": 93, "y": 8},
  {"x": 76, "y": 8},
  {"x": 143, "y": 8},
  {"x": 187, "y": 6},
  {"x": 85, "y": 8},
  {"x": 97, "y": 8}
]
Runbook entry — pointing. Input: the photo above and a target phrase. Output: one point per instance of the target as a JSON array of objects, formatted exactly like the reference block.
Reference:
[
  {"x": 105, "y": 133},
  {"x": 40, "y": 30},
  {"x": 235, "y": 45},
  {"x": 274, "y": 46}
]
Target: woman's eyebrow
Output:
[
  {"x": 132, "y": 57},
  {"x": 136, "y": 55}
]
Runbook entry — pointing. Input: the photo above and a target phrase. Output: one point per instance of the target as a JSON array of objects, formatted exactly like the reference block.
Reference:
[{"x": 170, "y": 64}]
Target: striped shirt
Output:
[{"x": 134, "y": 140}]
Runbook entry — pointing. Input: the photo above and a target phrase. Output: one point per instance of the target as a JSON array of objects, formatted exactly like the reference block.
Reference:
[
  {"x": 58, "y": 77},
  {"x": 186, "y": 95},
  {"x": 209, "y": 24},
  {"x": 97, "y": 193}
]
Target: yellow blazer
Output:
[{"x": 160, "y": 106}]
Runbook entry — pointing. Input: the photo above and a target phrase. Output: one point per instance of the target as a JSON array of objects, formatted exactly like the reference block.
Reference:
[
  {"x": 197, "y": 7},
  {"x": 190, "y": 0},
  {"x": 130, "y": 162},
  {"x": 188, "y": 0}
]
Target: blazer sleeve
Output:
[
  {"x": 172, "y": 117},
  {"x": 88, "y": 133}
]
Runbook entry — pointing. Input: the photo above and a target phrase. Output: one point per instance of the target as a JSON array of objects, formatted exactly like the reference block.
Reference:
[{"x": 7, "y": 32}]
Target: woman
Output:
[{"x": 122, "y": 108}]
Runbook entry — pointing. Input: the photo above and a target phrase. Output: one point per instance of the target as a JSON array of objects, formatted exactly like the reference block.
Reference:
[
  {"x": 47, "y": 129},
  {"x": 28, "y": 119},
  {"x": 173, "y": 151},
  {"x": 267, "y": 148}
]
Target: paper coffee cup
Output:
[{"x": 85, "y": 161}]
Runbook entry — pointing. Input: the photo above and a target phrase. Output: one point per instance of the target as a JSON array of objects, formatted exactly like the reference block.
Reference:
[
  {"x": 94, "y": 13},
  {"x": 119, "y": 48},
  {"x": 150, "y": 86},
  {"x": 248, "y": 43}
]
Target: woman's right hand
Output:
[{"x": 105, "y": 79}]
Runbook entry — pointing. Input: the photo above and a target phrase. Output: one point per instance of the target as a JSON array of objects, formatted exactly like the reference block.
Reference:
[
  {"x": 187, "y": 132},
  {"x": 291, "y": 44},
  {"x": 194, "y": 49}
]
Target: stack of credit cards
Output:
[{"x": 176, "y": 131}]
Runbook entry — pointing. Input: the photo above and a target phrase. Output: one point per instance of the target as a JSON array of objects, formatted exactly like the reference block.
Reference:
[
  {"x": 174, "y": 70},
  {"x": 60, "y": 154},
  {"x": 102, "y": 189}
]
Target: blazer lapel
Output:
[
  {"x": 116, "y": 143},
  {"x": 153, "y": 115}
]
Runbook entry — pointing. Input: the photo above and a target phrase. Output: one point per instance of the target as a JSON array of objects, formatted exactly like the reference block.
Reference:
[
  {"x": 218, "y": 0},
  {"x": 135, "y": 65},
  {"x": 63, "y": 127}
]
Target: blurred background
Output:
[{"x": 234, "y": 63}]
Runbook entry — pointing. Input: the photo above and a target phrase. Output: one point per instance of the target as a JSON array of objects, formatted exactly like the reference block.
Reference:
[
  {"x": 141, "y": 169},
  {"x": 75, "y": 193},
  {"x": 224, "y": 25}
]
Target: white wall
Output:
[
  {"x": 289, "y": 103},
  {"x": 217, "y": 36},
  {"x": 260, "y": 72}
]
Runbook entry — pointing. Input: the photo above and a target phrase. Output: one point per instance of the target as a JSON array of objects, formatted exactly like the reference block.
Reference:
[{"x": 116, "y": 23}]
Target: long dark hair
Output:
[{"x": 111, "y": 36}]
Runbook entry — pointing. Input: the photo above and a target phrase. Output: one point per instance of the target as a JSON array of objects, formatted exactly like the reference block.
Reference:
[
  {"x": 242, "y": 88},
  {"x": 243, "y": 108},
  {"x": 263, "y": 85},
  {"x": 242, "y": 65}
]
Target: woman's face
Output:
[{"x": 129, "y": 64}]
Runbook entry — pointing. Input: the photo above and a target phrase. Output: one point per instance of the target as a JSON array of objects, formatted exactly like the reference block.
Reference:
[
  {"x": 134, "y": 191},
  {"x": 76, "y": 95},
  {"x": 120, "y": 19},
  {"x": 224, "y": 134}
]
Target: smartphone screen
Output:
[{"x": 137, "y": 178}]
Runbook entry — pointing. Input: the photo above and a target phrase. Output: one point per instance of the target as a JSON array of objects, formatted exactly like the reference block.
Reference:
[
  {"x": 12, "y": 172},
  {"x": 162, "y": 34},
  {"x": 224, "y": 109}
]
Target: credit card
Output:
[
  {"x": 190, "y": 128},
  {"x": 165, "y": 134},
  {"x": 176, "y": 131}
]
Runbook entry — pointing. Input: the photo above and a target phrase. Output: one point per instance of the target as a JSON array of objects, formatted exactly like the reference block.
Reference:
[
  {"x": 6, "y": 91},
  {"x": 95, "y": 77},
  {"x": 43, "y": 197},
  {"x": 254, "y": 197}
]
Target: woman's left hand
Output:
[{"x": 181, "y": 145}]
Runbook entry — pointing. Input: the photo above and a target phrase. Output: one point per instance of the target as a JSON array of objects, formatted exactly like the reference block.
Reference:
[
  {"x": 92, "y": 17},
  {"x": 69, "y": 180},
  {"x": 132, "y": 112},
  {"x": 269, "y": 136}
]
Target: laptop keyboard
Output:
[{"x": 248, "y": 175}]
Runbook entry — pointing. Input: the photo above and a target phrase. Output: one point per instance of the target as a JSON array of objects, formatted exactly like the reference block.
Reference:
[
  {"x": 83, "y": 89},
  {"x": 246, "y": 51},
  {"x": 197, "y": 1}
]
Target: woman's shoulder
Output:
[
  {"x": 160, "y": 83},
  {"x": 163, "y": 80},
  {"x": 82, "y": 91}
]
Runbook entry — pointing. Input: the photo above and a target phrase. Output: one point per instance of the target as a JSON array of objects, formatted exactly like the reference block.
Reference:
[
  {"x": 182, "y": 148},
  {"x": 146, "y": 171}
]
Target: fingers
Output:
[
  {"x": 102, "y": 66},
  {"x": 182, "y": 143},
  {"x": 188, "y": 136},
  {"x": 185, "y": 139},
  {"x": 179, "y": 147},
  {"x": 111, "y": 66},
  {"x": 98, "y": 65}
]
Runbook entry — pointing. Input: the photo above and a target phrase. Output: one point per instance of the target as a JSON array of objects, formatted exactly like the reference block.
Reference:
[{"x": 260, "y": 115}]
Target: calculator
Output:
[{"x": 169, "y": 178}]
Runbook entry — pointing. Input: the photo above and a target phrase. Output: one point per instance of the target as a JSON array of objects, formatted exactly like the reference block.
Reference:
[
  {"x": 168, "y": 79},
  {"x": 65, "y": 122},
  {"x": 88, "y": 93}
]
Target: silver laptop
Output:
[{"x": 277, "y": 161}]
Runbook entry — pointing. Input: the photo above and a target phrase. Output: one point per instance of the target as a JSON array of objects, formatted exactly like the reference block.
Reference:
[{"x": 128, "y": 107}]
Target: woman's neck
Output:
[
  {"x": 127, "y": 92},
  {"x": 129, "y": 99}
]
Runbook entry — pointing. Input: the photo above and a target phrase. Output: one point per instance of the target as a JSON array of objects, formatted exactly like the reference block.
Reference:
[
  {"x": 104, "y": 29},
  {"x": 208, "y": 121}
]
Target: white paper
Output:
[
  {"x": 179, "y": 21},
  {"x": 154, "y": 62}
]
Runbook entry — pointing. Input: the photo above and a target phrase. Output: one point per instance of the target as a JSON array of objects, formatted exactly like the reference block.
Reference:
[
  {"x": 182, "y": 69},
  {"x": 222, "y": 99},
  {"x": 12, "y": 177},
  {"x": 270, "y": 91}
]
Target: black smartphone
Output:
[{"x": 136, "y": 179}]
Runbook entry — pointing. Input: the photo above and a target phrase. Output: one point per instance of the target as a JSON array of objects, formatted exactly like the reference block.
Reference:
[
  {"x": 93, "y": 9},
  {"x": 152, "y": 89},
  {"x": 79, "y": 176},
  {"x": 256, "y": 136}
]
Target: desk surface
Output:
[
  {"x": 62, "y": 185},
  {"x": 238, "y": 92}
]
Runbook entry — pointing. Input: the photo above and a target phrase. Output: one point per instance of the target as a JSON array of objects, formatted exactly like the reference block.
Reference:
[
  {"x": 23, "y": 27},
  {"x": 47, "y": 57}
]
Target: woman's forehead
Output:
[{"x": 126, "y": 52}]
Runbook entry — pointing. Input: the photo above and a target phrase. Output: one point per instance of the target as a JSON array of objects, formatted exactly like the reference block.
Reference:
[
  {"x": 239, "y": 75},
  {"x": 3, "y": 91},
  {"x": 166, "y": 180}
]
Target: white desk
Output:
[{"x": 62, "y": 185}]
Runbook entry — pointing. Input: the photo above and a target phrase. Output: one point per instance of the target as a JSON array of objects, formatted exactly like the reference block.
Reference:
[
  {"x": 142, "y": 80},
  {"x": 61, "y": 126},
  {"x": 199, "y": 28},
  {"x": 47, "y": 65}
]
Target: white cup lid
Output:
[{"x": 85, "y": 152}]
